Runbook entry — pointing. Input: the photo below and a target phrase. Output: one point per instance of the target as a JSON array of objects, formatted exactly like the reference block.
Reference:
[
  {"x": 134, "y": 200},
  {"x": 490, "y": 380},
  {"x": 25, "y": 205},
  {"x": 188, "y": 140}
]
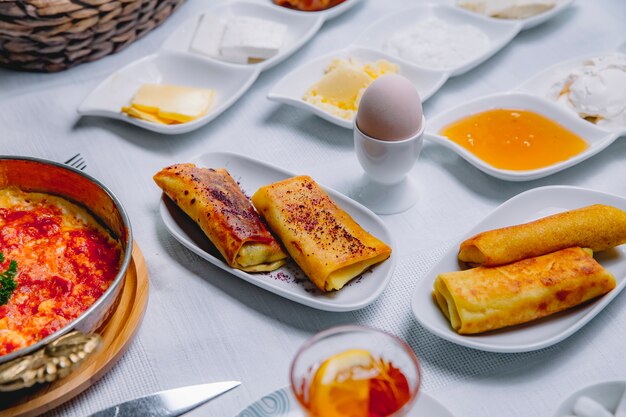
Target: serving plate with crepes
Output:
[
  {"x": 288, "y": 281},
  {"x": 538, "y": 334}
]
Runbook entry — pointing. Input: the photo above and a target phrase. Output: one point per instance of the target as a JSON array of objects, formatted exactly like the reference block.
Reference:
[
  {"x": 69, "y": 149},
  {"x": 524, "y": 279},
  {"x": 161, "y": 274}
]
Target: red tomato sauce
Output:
[{"x": 62, "y": 271}]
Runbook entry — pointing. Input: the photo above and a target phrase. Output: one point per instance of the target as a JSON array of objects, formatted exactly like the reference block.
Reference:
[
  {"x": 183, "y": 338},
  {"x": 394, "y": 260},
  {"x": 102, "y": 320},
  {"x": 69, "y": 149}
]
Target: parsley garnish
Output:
[{"x": 7, "y": 281}]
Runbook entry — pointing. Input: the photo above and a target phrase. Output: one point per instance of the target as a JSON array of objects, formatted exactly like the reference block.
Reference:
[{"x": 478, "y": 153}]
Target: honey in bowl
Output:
[{"x": 514, "y": 139}]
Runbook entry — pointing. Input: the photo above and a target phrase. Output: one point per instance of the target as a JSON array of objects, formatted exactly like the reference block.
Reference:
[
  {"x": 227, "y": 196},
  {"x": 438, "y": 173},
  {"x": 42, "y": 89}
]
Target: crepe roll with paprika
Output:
[
  {"x": 488, "y": 298},
  {"x": 213, "y": 199},
  {"x": 598, "y": 227},
  {"x": 328, "y": 245}
]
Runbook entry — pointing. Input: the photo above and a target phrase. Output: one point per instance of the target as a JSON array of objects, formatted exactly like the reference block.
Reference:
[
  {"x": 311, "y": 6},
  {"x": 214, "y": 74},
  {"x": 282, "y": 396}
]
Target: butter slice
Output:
[
  {"x": 180, "y": 104},
  {"x": 339, "y": 91},
  {"x": 341, "y": 86},
  {"x": 251, "y": 38}
]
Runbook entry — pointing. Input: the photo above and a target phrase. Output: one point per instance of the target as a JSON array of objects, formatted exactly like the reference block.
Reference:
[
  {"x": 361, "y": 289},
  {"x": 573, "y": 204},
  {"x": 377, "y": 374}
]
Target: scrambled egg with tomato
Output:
[{"x": 66, "y": 261}]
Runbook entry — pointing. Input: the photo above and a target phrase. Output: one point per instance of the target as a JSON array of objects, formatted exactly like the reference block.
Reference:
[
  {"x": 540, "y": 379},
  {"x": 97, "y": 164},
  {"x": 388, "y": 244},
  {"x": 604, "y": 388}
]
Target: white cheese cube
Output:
[
  {"x": 252, "y": 37},
  {"x": 233, "y": 55},
  {"x": 208, "y": 36}
]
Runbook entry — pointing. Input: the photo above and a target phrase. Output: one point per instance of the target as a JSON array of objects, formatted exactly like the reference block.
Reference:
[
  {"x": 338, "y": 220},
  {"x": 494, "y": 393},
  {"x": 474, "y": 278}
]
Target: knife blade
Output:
[{"x": 169, "y": 403}]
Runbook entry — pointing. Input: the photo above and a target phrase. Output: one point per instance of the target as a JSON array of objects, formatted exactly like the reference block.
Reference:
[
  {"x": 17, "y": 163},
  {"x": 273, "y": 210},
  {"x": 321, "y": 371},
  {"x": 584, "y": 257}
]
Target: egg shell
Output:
[{"x": 390, "y": 109}]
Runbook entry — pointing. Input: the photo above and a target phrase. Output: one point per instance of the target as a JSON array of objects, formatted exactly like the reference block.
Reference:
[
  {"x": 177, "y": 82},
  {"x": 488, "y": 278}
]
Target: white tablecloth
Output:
[{"x": 204, "y": 325}]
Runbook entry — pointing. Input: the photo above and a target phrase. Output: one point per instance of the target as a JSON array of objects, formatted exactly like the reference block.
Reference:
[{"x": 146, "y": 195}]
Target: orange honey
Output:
[
  {"x": 515, "y": 139},
  {"x": 355, "y": 384}
]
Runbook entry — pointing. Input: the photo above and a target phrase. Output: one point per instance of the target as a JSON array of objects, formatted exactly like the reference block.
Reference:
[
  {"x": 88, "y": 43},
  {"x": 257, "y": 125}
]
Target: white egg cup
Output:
[{"x": 385, "y": 187}]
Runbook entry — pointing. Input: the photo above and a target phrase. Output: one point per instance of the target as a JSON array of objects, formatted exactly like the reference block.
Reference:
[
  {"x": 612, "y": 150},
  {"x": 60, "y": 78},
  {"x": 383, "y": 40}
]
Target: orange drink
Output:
[{"x": 352, "y": 371}]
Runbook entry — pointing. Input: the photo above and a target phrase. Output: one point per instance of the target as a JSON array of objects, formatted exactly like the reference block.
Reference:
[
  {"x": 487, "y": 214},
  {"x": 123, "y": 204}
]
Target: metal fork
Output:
[{"x": 77, "y": 161}]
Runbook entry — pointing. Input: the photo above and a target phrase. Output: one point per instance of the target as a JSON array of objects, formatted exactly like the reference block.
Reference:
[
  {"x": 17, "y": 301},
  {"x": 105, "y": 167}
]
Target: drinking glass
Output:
[{"x": 332, "y": 343}]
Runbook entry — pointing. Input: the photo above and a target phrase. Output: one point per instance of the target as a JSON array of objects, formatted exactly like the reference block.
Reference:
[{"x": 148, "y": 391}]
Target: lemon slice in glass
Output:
[{"x": 341, "y": 385}]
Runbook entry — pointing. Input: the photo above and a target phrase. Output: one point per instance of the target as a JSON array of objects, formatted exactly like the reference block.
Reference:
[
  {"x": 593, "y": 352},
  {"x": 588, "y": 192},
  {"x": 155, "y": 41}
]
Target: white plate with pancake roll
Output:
[
  {"x": 288, "y": 281},
  {"x": 538, "y": 334}
]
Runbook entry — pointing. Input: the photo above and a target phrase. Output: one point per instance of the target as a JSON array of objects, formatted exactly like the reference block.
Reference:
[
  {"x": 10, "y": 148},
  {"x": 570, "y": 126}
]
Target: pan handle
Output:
[{"x": 55, "y": 361}]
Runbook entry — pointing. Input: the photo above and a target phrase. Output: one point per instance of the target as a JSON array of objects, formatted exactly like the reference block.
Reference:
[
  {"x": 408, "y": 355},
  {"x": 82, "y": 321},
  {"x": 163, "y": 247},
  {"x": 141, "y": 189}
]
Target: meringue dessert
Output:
[{"x": 596, "y": 91}]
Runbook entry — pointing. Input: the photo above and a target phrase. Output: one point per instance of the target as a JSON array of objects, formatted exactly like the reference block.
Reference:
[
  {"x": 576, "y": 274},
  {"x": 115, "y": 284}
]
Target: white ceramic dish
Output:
[
  {"x": 328, "y": 13},
  {"x": 294, "y": 85},
  {"x": 288, "y": 281},
  {"x": 606, "y": 393},
  {"x": 500, "y": 32},
  {"x": 533, "y": 21},
  {"x": 597, "y": 138},
  {"x": 300, "y": 28},
  {"x": 282, "y": 403},
  {"x": 229, "y": 82},
  {"x": 525, "y": 207},
  {"x": 540, "y": 84}
]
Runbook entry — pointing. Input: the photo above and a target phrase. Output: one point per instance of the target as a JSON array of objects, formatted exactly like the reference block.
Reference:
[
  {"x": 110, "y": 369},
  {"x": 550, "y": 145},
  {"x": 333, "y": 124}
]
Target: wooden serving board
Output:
[{"x": 116, "y": 338}]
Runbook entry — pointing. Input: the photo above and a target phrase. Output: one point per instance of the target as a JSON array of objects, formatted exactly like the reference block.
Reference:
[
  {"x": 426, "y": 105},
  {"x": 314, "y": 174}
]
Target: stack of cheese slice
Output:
[
  {"x": 169, "y": 104},
  {"x": 531, "y": 270}
]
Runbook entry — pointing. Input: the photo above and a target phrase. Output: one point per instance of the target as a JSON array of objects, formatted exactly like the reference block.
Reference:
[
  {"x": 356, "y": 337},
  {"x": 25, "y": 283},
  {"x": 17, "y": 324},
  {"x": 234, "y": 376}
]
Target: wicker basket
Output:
[{"x": 53, "y": 35}]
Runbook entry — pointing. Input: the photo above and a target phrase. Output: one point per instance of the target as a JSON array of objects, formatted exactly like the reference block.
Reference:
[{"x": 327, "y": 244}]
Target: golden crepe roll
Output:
[
  {"x": 212, "y": 198},
  {"x": 487, "y": 298},
  {"x": 597, "y": 227},
  {"x": 329, "y": 246}
]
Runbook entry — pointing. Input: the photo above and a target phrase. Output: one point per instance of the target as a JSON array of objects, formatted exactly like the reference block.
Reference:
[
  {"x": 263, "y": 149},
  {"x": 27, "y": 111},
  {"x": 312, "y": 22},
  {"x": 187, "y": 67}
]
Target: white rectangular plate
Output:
[
  {"x": 288, "y": 281},
  {"x": 292, "y": 87},
  {"x": 539, "y": 334},
  {"x": 498, "y": 31},
  {"x": 597, "y": 139},
  {"x": 229, "y": 81},
  {"x": 301, "y": 27}
]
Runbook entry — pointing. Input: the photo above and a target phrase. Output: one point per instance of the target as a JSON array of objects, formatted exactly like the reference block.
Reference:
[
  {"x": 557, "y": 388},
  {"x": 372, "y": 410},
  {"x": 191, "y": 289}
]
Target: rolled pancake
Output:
[
  {"x": 212, "y": 199},
  {"x": 329, "y": 246},
  {"x": 597, "y": 227},
  {"x": 482, "y": 299}
]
